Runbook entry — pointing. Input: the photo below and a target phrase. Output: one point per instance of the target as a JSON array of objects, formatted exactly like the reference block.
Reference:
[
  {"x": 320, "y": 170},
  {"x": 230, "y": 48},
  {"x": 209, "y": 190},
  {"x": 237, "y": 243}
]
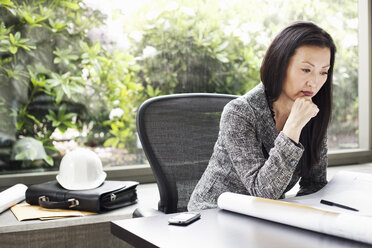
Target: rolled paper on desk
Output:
[
  {"x": 345, "y": 225},
  {"x": 12, "y": 196}
]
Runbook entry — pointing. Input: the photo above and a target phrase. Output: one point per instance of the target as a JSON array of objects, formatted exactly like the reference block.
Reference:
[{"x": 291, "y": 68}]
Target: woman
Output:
[{"x": 275, "y": 134}]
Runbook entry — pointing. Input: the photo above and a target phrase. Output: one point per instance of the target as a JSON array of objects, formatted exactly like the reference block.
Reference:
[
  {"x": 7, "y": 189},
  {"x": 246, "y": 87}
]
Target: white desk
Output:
[{"x": 222, "y": 229}]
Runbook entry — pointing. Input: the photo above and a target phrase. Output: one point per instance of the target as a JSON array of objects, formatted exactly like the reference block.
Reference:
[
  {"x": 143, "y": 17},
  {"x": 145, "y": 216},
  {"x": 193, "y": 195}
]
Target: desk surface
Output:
[
  {"x": 148, "y": 197},
  {"x": 220, "y": 228}
]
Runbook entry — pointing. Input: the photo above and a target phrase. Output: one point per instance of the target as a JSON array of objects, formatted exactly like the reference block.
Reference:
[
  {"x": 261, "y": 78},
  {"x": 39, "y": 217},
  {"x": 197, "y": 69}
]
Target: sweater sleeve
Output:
[{"x": 261, "y": 177}]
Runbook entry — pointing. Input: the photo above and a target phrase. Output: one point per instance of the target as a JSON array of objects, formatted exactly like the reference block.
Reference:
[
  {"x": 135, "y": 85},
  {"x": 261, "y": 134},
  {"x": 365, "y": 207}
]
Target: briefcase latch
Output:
[
  {"x": 73, "y": 203},
  {"x": 43, "y": 198},
  {"x": 112, "y": 197}
]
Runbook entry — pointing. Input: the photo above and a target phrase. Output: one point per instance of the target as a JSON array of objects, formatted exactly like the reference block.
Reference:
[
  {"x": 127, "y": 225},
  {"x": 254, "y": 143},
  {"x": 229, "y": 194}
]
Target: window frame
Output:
[
  {"x": 143, "y": 173},
  {"x": 364, "y": 153}
]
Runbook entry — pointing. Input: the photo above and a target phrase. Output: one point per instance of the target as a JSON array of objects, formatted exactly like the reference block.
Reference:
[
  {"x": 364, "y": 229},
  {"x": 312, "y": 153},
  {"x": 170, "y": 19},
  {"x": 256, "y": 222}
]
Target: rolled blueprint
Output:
[
  {"x": 346, "y": 225},
  {"x": 12, "y": 196}
]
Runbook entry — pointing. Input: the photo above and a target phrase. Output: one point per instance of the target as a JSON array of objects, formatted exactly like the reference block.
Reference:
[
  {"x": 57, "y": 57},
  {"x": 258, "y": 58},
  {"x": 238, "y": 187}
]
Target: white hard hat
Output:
[{"x": 81, "y": 169}]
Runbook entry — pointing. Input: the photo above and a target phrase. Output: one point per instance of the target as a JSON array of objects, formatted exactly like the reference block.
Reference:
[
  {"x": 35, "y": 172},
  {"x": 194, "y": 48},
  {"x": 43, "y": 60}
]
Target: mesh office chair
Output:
[{"x": 178, "y": 133}]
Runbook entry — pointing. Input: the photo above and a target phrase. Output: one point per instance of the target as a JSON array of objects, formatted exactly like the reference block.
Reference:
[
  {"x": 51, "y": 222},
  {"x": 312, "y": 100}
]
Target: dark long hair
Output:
[{"x": 273, "y": 73}]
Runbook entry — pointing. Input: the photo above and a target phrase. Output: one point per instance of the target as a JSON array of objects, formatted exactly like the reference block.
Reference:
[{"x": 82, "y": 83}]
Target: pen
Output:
[{"x": 337, "y": 205}]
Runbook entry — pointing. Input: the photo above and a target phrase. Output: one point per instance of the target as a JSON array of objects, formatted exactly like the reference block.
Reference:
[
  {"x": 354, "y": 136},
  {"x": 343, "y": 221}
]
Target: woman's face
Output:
[{"x": 307, "y": 72}]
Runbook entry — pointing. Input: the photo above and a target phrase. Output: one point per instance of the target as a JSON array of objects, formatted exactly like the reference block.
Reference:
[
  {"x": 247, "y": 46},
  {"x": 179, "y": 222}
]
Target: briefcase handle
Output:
[{"x": 46, "y": 203}]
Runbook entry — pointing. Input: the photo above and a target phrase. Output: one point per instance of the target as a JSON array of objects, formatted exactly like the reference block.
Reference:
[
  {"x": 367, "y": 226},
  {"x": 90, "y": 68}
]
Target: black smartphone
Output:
[{"x": 184, "y": 219}]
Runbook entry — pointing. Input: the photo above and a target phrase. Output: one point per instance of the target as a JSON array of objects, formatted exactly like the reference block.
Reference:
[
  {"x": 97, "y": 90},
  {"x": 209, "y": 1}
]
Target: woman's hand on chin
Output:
[{"x": 303, "y": 109}]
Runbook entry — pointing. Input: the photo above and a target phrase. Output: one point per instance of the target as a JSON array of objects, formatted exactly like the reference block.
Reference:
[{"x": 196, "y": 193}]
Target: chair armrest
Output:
[{"x": 145, "y": 212}]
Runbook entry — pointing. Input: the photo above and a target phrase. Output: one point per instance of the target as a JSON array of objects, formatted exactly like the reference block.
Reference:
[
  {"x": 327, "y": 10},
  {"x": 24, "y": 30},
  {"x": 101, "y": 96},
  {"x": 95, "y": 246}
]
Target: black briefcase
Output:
[{"x": 110, "y": 195}]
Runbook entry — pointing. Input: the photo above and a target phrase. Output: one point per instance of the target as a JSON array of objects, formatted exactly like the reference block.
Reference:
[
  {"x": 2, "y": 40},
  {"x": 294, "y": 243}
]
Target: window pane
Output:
[{"x": 73, "y": 74}]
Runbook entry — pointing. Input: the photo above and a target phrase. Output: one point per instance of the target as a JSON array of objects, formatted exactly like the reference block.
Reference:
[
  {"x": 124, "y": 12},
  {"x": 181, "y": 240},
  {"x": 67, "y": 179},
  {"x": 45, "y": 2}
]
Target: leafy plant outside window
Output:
[{"x": 55, "y": 77}]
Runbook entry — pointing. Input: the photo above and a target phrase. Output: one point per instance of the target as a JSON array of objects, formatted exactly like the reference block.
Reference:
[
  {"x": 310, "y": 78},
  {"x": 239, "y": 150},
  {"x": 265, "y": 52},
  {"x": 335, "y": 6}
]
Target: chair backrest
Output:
[{"x": 178, "y": 133}]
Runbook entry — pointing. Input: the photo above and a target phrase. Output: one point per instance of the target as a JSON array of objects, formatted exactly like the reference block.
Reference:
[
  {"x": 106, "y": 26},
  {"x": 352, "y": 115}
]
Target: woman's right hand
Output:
[{"x": 303, "y": 109}]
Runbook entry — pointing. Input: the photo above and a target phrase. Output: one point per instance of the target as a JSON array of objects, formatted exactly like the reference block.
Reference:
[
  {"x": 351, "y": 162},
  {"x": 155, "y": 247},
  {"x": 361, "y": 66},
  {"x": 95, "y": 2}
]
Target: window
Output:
[{"x": 73, "y": 73}]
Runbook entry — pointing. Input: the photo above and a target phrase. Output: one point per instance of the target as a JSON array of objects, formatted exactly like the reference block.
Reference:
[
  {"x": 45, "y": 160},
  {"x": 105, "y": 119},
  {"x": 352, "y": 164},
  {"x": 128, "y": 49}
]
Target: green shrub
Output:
[
  {"x": 217, "y": 46},
  {"x": 54, "y": 76},
  {"x": 187, "y": 50}
]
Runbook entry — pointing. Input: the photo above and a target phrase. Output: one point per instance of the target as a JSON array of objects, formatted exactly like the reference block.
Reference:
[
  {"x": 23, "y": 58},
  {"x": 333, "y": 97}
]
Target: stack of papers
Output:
[{"x": 25, "y": 211}]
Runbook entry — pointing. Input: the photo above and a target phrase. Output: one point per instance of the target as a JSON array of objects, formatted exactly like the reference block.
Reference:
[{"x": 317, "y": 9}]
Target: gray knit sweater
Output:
[{"x": 251, "y": 158}]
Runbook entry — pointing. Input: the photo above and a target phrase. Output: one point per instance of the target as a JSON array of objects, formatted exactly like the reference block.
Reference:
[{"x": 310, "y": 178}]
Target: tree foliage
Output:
[
  {"x": 55, "y": 76},
  {"x": 217, "y": 46}
]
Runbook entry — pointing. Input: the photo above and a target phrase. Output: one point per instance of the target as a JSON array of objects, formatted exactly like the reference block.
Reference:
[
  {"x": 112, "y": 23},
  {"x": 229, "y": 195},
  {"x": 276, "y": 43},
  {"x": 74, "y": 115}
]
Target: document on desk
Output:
[
  {"x": 306, "y": 211},
  {"x": 351, "y": 189},
  {"x": 25, "y": 211}
]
